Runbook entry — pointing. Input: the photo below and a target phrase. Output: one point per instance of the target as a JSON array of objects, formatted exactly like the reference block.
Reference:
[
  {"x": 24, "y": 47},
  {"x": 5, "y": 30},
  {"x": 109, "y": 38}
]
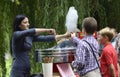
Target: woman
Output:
[{"x": 21, "y": 44}]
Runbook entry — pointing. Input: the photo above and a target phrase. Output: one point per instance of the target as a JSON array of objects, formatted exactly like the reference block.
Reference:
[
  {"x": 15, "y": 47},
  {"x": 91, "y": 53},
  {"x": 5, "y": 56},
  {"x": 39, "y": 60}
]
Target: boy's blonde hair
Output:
[
  {"x": 114, "y": 31},
  {"x": 106, "y": 32}
]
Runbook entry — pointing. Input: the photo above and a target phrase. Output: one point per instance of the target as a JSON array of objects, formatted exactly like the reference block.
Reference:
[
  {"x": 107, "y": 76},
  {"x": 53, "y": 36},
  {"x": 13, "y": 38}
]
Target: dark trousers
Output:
[{"x": 18, "y": 73}]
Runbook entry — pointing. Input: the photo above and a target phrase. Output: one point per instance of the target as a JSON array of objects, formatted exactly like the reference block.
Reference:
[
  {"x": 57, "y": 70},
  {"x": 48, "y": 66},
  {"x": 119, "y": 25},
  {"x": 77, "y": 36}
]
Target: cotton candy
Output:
[{"x": 71, "y": 20}]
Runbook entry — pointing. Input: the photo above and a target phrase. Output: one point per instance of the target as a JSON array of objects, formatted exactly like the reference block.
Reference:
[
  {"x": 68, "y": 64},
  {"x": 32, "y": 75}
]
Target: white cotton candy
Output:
[{"x": 71, "y": 20}]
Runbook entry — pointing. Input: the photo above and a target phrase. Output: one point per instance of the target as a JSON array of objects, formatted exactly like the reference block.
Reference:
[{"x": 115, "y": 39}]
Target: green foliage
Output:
[
  {"x": 4, "y": 35},
  {"x": 112, "y": 13}
]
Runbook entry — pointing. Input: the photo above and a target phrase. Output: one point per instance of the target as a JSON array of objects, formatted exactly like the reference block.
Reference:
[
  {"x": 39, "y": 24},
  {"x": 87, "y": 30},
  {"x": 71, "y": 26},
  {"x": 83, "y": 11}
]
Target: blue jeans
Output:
[{"x": 18, "y": 73}]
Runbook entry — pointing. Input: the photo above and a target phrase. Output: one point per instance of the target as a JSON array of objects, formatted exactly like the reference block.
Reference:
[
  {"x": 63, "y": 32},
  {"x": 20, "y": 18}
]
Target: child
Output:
[
  {"x": 84, "y": 61},
  {"x": 109, "y": 59}
]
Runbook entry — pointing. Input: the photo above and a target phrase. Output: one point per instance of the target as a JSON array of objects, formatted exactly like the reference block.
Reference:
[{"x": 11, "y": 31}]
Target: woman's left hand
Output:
[{"x": 67, "y": 35}]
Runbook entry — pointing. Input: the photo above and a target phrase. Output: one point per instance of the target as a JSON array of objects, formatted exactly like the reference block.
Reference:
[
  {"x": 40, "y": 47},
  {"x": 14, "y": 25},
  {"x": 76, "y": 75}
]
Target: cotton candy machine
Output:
[{"x": 60, "y": 54}]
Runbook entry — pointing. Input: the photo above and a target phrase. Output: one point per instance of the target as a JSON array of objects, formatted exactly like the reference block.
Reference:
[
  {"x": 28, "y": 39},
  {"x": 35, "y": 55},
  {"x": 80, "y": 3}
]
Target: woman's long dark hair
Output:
[{"x": 17, "y": 21}]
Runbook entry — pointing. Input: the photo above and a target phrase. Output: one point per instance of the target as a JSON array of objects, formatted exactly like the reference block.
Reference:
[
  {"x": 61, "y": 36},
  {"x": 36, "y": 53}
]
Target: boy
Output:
[
  {"x": 109, "y": 59},
  {"x": 84, "y": 61}
]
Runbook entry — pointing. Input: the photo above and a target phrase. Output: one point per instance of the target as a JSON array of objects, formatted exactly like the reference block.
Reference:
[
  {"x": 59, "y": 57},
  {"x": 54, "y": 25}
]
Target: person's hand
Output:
[
  {"x": 73, "y": 35},
  {"x": 52, "y": 31},
  {"x": 67, "y": 35}
]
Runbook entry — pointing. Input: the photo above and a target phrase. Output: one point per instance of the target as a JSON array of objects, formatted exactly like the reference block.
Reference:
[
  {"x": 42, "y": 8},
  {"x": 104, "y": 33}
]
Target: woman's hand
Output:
[
  {"x": 42, "y": 30},
  {"x": 62, "y": 36},
  {"x": 52, "y": 31},
  {"x": 67, "y": 35}
]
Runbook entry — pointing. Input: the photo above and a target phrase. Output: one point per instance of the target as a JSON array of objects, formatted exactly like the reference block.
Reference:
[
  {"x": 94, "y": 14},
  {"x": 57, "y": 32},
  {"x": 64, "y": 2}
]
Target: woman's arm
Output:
[
  {"x": 21, "y": 34},
  {"x": 50, "y": 38},
  {"x": 42, "y": 30},
  {"x": 32, "y": 32},
  {"x": 62, "y": 36},
  {"x": 42, "y": 38}
]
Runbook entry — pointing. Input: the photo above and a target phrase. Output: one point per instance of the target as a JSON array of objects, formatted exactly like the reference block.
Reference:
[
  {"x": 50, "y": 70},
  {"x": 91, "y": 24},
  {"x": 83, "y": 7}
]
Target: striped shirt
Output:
[{"x": 85, "y": 61}]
